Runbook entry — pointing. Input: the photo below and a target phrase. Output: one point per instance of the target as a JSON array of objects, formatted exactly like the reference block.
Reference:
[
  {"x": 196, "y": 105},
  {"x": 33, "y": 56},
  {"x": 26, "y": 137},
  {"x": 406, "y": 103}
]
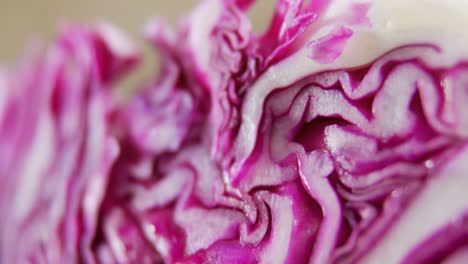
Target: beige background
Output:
[{"x": 24, "y": 20}]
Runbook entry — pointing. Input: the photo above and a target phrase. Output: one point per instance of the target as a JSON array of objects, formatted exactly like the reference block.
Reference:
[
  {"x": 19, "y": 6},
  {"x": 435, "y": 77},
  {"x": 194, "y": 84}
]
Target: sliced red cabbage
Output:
[
  {"x": 57, "y": 147},
  {"x": 339, "y": 135}
]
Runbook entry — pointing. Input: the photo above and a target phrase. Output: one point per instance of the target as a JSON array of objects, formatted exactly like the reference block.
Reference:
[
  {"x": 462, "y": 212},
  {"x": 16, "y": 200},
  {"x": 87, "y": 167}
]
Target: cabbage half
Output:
[{"x": 338, "y": 135}]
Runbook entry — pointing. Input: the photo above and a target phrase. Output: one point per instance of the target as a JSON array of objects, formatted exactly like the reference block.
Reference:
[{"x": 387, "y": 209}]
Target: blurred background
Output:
[{"x": 22, "y": 21}]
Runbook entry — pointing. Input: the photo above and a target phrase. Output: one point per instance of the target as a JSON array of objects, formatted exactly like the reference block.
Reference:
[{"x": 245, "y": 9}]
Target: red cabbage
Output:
[
  {"x": 339, "y": 135},
  {"x": 57, "y": 147}
]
